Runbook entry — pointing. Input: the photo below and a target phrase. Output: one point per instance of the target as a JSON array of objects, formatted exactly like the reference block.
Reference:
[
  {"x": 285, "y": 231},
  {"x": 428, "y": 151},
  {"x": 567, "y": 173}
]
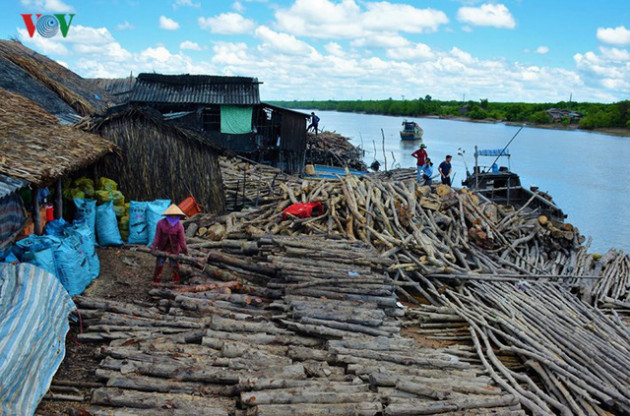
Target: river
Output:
[{"x": 584, "y": 172}]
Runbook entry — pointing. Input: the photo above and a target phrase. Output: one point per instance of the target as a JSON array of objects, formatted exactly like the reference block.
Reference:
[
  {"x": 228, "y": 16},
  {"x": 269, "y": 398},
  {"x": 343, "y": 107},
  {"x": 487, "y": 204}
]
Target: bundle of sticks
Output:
[
  {"x": 451, "y": 234},
  {"x": 579, "y": 356},
  {"x": 249, "y": 183},
  {"x": 332, "y": 149}
]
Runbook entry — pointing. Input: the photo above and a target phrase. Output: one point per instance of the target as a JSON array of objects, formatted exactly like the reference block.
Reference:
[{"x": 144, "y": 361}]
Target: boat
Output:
[
  {"x": 329, "y": 172},
  {"x": 411, "y": 131},
  {"x": 502, "y": 186}
]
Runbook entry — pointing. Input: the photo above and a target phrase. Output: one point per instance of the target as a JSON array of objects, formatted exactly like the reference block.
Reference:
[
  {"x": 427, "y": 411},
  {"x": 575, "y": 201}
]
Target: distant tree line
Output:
[{"x": 588, "y": 115}]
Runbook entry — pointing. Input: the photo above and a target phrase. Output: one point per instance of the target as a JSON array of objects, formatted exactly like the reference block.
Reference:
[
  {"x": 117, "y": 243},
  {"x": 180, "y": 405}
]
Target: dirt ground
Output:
[{"x": 126, "y": 276}]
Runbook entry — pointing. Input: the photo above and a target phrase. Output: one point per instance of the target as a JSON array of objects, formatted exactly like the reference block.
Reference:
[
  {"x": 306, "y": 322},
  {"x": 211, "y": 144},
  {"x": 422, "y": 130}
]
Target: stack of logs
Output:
[
  {"x": 451, "y": 234},
  {"x": 323, "y": 339},
  {"x": 248, "y": 183},
  {"x": 332, "y": 149}
]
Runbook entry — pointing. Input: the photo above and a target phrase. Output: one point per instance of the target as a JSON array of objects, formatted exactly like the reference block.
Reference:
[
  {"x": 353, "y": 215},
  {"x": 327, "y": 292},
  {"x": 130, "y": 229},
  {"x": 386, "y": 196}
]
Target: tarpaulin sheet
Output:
[
  {"x": 34, "y": 309},
  {"x": 11, "y": 216},
  {"x": 235, "y": 119}
]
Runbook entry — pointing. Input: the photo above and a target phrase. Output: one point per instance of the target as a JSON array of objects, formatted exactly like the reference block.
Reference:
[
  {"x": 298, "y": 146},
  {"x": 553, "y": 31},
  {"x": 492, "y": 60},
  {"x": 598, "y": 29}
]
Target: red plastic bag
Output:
[{"x": 303, "y": 210}]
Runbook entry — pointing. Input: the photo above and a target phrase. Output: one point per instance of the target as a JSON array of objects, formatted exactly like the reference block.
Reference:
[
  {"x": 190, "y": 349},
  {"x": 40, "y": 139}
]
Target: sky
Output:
[{"x": 509, "y": 51}]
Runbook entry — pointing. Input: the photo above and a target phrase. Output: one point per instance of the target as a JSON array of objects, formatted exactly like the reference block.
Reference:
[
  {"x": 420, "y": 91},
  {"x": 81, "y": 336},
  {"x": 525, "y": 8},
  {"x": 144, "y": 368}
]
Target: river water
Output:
[{"x": 585, "y": 173}]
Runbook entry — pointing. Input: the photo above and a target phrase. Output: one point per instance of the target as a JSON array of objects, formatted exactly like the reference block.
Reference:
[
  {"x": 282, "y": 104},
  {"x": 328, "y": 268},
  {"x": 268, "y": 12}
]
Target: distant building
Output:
[{"x": 557, "y": 115}]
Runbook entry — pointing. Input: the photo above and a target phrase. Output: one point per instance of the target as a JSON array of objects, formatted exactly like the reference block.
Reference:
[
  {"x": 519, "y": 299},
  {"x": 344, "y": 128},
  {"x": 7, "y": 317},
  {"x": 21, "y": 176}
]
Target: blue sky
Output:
[{"x": 520, "y": 50}]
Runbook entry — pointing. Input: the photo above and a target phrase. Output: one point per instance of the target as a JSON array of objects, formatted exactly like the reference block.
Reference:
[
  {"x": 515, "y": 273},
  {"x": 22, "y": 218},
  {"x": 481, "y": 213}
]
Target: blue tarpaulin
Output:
[
  {"x": 494, "y": 152},
  {"x": 34, "y": 309}
]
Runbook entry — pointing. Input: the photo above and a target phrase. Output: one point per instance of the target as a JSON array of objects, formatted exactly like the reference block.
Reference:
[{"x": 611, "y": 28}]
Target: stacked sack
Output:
[
  {"x": 143, "y": 219},
  {"x": 101, "y": 205},
  {"x": 65, "y": 250}
]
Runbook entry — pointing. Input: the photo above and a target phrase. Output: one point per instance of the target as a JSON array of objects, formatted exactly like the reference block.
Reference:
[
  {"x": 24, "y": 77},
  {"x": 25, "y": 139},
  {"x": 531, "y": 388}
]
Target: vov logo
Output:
[{"x": 47, "y": 25}]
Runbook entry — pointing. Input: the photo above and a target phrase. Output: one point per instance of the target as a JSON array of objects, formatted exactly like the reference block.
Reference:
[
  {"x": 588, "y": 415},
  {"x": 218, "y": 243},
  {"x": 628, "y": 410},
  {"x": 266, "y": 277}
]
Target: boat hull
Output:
[{"x": 410, "y": 136}]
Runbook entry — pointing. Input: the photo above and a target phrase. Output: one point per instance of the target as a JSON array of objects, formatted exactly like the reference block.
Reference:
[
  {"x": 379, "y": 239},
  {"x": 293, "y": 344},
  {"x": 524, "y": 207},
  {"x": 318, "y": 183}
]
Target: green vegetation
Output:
[{"x": 585, "y": 115}]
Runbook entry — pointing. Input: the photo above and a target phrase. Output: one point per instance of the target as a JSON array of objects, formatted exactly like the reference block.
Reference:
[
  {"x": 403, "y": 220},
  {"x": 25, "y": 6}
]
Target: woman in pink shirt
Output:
[{"x": 169, "y": 237}]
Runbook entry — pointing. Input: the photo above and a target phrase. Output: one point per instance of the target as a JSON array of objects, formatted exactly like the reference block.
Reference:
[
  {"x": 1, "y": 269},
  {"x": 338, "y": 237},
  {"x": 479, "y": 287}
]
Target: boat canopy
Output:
[{"x": 494, "y": 152}]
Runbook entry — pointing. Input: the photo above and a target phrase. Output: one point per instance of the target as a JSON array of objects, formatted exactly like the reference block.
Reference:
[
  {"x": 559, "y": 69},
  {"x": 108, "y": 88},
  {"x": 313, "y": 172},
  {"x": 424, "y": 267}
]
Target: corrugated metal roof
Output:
[
  {"x": 195, "y": 89},
  {"x": 34, "y": 309},
  {"x": 9, "y": 185}
]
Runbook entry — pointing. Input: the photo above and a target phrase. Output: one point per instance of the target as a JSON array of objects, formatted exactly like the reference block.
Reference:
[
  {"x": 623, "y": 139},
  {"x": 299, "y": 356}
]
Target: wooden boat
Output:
[
  {"x": 329, "y": 172},
  {"x": 500, "y": 185},
  {"x": 411, "y": 131}
]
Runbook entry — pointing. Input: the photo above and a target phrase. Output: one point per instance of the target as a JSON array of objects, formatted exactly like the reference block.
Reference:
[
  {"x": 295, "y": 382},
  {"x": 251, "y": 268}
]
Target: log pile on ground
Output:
[
  {"x": 326, "y": 344},
  {"x": 302, "y": 316},
  {"x": 332, "y": 149}
]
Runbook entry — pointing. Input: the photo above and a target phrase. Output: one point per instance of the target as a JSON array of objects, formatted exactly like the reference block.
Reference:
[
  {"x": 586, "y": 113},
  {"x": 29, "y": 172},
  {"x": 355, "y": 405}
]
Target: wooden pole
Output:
[
  {"x": 58, "y": 200},
  {"x": 36, "y": 219}
]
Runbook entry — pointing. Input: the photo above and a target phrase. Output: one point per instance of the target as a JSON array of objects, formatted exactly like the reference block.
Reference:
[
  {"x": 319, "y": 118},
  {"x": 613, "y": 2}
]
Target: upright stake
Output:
[{"x": 384, "y": 155}]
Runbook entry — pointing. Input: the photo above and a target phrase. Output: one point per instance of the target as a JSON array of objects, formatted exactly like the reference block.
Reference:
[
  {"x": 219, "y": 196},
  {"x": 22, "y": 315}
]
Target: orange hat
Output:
[{"x": 174, "y": 210}]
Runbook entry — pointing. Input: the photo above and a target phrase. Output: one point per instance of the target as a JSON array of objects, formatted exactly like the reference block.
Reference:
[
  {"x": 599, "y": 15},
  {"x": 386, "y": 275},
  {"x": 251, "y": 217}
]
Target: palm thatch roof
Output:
[
  {"x": 55, "y": 88},
  {"x": 158, "y": 159},
  {"x": 34, "y": 148}
]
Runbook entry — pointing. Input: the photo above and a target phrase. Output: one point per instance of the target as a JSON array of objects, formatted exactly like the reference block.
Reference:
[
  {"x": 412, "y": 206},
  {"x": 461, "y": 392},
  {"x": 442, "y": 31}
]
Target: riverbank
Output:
[{"x": 612, "y": 131}]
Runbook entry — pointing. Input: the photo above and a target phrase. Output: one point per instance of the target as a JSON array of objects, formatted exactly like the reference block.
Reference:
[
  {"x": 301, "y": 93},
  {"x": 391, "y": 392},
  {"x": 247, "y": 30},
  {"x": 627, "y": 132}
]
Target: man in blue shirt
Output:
[
  {"x": 427, "y": 172},
  {"x": 445, "y": 170},
  {"x": 314, "y": 123}
]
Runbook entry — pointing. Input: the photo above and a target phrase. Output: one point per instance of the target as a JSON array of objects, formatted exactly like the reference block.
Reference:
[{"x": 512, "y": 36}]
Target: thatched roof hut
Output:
[
  {"x": 40, "y": 79},
  {"x": 35, "y": 148},
  {"x": 159, "y": 160}
]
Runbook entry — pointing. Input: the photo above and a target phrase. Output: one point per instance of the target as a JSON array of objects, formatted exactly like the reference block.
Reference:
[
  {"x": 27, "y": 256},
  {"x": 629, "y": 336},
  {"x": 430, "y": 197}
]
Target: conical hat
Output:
[{"x": 174, "y": 210}]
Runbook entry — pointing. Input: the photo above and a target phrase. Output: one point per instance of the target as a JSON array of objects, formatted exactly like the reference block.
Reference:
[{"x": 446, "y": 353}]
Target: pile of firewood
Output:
[
  {"x": 251, "y": 184},
  {"x": 435, "y": 233},
  {"x": 332, "y": 149},
  {"x": 580, "y": 356}
]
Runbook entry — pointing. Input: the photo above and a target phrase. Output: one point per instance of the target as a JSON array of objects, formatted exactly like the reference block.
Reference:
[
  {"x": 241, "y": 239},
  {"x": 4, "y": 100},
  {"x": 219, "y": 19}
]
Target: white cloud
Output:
[
  {"x": 615, "y": 54},
  {"x": 382, "y": 40},
  {"x": 403, "y": 17},
  {"x": 326, "y": 19},
  {"x": 227, "y": 24},
  {"x": 281, "y": 42},
  {"x": 47, "y": 46},
  {"x": 185, "y": 3},
  {"x": 57, "y": 6},
  {"x": 496, "y": 15},
  {"x": 238, "y": 6},
  {"x": 417, "y": 52},
  {"x": 617, "y": 36},
  {"x": 168, "y": 24},
  {"x": 542, "y": 50},
  {"x": 226, "y": 53},
  {"x": 193, "y": 46},
  {"x": 334, "y": 49},
  {"x": 125, "y": 26}
]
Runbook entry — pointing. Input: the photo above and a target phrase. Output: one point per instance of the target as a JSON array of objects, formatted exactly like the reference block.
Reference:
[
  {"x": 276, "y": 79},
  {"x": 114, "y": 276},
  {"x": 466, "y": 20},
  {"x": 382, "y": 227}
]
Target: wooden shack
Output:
[
  {"x": 228, "y": 112},
  {"x": 157, "y": 159}
]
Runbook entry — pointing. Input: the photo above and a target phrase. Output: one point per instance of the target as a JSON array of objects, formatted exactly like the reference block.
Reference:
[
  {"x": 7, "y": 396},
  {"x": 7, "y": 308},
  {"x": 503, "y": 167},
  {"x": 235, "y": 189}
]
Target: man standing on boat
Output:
[
  {"x": 445, "y": 170},
  {"x": 421, "y": 160},
  {"x": 314, "y": 123}
]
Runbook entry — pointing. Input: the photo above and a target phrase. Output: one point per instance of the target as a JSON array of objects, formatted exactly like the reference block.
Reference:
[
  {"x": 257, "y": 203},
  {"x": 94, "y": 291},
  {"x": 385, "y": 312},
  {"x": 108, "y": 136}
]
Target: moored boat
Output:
[
  {"x": 411, "y": 131},
  {"x": 502, "y": 186}
]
